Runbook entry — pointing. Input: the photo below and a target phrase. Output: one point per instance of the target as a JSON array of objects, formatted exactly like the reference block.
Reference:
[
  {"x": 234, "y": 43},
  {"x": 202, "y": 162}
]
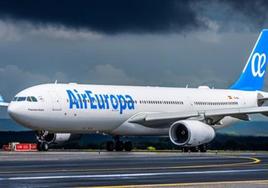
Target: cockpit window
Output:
[
  {"x": 21, "y": 99},
  {"x": 33, "y": 99},
  {"x": 29, "y": 99},
  {"x": 15, "y": 99}
]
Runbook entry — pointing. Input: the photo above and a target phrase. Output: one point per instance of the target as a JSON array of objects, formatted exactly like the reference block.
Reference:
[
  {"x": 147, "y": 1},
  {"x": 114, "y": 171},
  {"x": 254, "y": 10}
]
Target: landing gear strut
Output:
[
  {"x": 118, "y": 145},
  {"x": 42, "y": 144}
]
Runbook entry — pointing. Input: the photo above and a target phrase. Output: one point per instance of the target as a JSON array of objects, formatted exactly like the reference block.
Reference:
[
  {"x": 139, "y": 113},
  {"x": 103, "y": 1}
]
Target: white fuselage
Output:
[{"x": 105, "y": 108}]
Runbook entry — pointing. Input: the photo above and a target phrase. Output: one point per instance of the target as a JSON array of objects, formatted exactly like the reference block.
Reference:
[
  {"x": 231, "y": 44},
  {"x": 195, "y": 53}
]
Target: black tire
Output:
[
  {"x": 128, "y": 146},
  {"x": 45, "y": 146},
  {"x": 39, "y": 146},
  {"x": 194, "y": 149},
  {"x": 119, "y": 146},
  {"x": 203, "y": 148},
  {"x": 110, "y": 146}
]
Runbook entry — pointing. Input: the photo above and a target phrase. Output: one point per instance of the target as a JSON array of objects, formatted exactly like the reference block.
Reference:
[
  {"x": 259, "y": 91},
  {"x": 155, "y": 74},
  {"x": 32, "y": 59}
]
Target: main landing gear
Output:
[
  {"x": 201, "y": 148},
  {"x": 42, "y": 144},
  {"x": 118, "y": 145}
]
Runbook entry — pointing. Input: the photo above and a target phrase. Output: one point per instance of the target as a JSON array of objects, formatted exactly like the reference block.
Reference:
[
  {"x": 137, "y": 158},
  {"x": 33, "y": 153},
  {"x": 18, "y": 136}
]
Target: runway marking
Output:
[
  {"x": 262, "y": 182},
  {"x": 253, "y": 161},
  {"x": 129, "y": 175}
]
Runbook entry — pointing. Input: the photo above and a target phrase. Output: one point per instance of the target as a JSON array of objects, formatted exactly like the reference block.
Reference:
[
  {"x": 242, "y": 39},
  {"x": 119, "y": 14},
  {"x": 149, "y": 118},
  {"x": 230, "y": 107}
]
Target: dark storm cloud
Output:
[
  {"x": 133, "y": 16},
  {"x": 105, "y": 16},
  {"x": 255, "y": 10}
]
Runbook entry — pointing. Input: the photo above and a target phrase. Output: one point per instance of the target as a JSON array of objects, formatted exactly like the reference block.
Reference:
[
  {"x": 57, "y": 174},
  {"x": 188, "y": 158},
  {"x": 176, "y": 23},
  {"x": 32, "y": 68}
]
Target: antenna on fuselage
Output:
[{"x": 56, "y": 81}]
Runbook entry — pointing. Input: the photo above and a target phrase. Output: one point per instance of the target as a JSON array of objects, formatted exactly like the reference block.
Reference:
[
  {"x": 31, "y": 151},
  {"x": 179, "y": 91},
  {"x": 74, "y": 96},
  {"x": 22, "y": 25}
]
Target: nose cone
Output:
[
  {"x": 11, "y": 110},
  {"x": 14, "y": 111}
]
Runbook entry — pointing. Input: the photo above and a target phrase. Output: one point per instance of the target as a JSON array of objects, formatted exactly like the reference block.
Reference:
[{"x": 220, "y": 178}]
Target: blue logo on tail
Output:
[{"x": 252, "y": 77}]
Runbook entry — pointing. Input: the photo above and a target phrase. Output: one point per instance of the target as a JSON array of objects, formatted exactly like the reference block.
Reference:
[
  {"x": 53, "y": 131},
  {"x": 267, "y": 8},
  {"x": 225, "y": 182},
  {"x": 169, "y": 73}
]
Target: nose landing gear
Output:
[{"x": 42, "y": 144}]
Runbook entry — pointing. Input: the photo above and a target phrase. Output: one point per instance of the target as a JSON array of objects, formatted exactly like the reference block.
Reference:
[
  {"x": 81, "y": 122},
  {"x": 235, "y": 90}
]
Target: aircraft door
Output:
[
  {"x": 55, "y": 101},
  {"x": 190, "y": 103}
]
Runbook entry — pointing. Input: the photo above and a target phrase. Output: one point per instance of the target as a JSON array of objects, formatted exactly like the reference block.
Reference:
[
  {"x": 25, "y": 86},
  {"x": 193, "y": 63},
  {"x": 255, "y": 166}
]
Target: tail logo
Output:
[{"x": 258, "y": 64}]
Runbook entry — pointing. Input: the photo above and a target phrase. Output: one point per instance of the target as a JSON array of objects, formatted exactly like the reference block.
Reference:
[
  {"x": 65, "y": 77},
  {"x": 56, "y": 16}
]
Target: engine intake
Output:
[{"x": 190, "y": 133}]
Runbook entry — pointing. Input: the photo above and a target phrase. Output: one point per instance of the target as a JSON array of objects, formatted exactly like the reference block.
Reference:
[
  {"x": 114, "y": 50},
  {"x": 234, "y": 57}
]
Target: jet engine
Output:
[
  {"x": 190, "y": 133},
  {"x": 57, "y": 138}
]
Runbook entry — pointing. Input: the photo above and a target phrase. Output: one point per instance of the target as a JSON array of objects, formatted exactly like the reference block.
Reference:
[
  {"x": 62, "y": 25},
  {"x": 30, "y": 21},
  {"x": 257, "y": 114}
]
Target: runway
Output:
[{"x": 169, "y": 169}]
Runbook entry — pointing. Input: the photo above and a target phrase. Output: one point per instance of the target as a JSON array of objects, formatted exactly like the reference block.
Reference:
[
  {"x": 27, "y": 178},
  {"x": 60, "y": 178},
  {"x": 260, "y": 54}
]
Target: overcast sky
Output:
[
  {"x": 133, "y": 42},
  {"x": 130, "y": 42},
  {"x": 147, "y": 42}
]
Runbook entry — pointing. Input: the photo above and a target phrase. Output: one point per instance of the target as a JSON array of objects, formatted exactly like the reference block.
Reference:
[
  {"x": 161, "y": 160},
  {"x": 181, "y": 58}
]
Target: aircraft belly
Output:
[{"x": 134, "y": 129}]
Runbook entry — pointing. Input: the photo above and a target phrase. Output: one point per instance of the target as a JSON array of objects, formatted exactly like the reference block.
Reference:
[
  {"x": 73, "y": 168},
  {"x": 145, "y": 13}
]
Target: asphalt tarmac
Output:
[{"x": 134, "y": 169}]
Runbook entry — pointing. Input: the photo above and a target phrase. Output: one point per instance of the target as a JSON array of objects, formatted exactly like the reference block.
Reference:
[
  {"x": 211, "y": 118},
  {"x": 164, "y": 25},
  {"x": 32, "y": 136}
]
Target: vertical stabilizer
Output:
[{"x": 252, "y": 77}]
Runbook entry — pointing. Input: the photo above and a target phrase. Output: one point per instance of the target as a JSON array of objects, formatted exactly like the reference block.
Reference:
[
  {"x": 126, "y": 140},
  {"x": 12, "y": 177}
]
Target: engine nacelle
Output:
[
  {"x": 57, "y": 138},
  {"x": 190, "y": 133}
]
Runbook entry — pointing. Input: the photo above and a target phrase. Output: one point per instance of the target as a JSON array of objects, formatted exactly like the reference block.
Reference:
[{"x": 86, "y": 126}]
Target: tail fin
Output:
[{"x": 252, "y": 77}]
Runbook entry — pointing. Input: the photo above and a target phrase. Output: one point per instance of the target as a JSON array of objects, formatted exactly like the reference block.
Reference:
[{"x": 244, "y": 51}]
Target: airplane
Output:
[{"x": 189, "y": 116}]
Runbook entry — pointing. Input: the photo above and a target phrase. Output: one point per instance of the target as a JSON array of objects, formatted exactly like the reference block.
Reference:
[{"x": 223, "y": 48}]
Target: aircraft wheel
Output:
[
  {"x": 42, "y": 146},
  {"x": 185, "y": 149},
  {"x": 194, "y": 149},
  {"x": 110, "y": 146},
  {"x": 203, "y": 148},
  {"x": 45, "y": 146},
  {"x": 119, "y": 146},
  {"x": 39, "y": 146},
  {"x": 128, "y": 146}
]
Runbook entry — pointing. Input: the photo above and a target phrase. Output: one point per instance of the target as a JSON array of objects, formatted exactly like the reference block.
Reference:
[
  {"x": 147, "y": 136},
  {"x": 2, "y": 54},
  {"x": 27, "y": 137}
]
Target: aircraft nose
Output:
[
  {"x": 11, "y": 109},
  {"x": 14, "y": 111}
]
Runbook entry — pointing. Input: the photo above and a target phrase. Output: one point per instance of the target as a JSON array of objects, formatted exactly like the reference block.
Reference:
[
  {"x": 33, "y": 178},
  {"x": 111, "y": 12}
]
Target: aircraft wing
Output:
[
  {"x": 2, "y": 103},
  {"x": 165, "y": 119},
  {"x": 161, "y": 119}
]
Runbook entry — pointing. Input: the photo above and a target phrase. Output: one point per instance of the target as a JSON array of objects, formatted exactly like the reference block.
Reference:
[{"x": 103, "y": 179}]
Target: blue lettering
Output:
[
  {"x": 106, "y": 97},
  {"x": 72, "y": 99},
  {"x": 101, "y": 103},
  {"x": 79, "y": 97},
  {"x": 130, "y": 102},
  {"x": 114, "y": 101},
  {"x": 104, "y": 101},
  {"x": 84, "y": 97},
  {"x": 91, "y": 99},
  {"x": 122, "y": 103}
]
